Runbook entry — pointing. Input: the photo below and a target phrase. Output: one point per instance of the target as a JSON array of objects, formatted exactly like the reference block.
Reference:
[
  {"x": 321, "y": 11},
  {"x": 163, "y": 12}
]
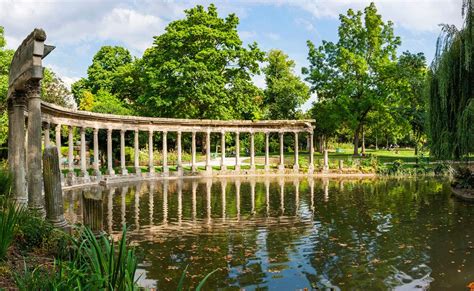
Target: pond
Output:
[{"x": 291, "y": 233}]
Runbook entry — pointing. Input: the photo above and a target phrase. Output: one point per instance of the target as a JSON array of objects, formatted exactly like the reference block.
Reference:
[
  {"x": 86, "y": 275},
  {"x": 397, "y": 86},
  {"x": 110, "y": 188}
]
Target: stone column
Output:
[
  {"x": 84, "y": 172},
  {"x": 151, "y": 167},
  {"x": 223, "y": 166},
  {"x": 165, "y": 153},
  {"x": 136, "y": 155},
  {"x": 193, "y": 152},
  {"x": 326, "y": 161},
  {"x": 16, "y": 147},
  {"x": 281, "y": 166},
  {"x": 237, "y": 151},
  {"x": 58, "y": 140},
  {"x": 311, "y": 152},
  {"x": 267, "y": 151},
  {"x": 97, "y": 172},
  {"x": 179, "y": 162},
  {"x": 208, "y": 152},
  {"x": 46, "y": 133},
  {"x": 296, "y": 166},
  {"x": 53, "y": 193},
  {"x": 34, "y": 152},
  {"x": 252, "y": 151},
  {"x": 110, "y": 162},
  {"x": 123, "y": 166},
  {"x": 70, "y": 155}
]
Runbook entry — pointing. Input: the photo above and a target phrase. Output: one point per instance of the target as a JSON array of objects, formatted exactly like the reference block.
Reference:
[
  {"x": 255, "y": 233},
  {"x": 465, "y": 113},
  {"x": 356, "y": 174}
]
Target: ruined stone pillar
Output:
[
  {"x": 208, "y": 152},
  {"x": 252, "y": 151},
  {"x": 151, "y": 167},
  {"x": 70, "y": 155},
  {"x": 93, "y": 211},
  {"x": 296, "y": 165},
  {"x": 237, "y": 151},
  {"x": 326, "y": 161},
  {"x": 267, "y": 151},
  {"x": 53, "y": 193},
  {"x": 311, "y": 153},
  {"x": 84, "y": 172},
  {"x": 223, "y": 166},
  {"x": 58, "y": 140},
  {"x": 193, "y": 152},
  {"x": 16, "y": 147},
  {"x": 179, "y": 162},
  {"x": 281, "y": 166},
  {"x": 136, "y": 159},
  {"x": 46, "y": 133},
  {"x": 110, "y": 161},
  {"x": 123, "y": 166},
  {"x": 97, "y": 172},
  {"x": 35, "y": 182},
  {"x": 165, "y": 153}
]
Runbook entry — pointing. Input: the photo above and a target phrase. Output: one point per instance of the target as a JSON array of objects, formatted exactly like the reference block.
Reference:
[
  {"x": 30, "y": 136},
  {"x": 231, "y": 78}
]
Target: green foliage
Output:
[
  {"x": 53, "y": 89},
  {"x": 32, "y": 232},
  {"x": 103, "y": 102},
  {"x": 451, "y": 91},
  {"x": 354, "y": 73},
  {"x": 285, "y": 91},
  {"x": 463, "y": 178},
  {"x": 199, "y": 68},
  {"x": 10, "y": 215}
]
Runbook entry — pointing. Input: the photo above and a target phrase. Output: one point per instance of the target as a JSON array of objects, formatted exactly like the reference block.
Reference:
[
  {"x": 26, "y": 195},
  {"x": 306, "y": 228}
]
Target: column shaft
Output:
[
  {"x": 165, "y": 153},
  {"x": 58, "y": 141},
  {"x": 123, "y": 166},
  {"x": 84, "y": 172},
  {"x": 252, "y": 151},
  {"x": 34, "y": 156},
  {"x": 96, "y": 152},
  {"x": 151, "y": 167},
  {"x": 193, "y": 152},
  {"x": 46, "y": 133},
  {"x": 208, "y": 152},
  {"x": 16, "y": 147},
  {"x": 136, "y": 159},
  {"x": 179, "y": 162},
  {"x": 110, "y": 162},
  {"x": 223, "y": 166},
  {"x": 70, "y": 153},
  {"x": 326, "y": 161},
  {"x": 267, "y": 151},
  {"x": 311, "y": 153},
  {"x": 237, "y": 151},
  {"x": 281, "y": 166},
  {"x": 296, "y": 165}
]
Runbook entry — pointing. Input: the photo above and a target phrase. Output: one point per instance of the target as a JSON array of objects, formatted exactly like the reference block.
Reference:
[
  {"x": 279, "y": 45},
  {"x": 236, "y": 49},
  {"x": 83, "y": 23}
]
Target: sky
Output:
[{"x": 78, "y": 28}]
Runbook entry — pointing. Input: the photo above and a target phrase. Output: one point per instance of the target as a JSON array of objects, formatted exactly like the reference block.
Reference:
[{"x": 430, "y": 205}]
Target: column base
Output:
[
  {"x": 97, "y": 173},
  {"x": 208, "y": 169},
  {"x": 84, "y": 174},
  {"x": 110, "y": 172},
  {"x": 237, "y": 168},
  {"x": 59, "y": 222},
  {"x": 193, "y": 168},
  {"x": 296, "y": 168},
  {"x": 252, "y": 168},
  {"x": 137, "y": 170},
  {"x": 166, "y": 171},
  {"x": 311, "y": 169},
  {"x": 267, "y": 168},
  {"x": 281, "y": 168},
  {"x": 70, "y": 178},
  {"x": 124, "y": 171},
  {"x": 38, "y": 209},
  {"x": 179, "y": 170},
  {"x": 223, "y": 168}
]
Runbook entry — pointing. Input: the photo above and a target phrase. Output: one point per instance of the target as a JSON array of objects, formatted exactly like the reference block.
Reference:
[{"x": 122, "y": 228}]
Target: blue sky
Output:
[{"x": 79, "y": 28}]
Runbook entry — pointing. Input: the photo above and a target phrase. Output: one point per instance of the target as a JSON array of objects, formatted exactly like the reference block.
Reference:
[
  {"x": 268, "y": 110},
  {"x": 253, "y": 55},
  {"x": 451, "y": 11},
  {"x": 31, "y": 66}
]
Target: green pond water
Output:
[{"x": 287, "y": 234}]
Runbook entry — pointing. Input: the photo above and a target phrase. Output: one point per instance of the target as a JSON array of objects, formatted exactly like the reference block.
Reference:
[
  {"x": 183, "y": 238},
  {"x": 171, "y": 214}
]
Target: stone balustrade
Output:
[{"x": 54, "y": 116}]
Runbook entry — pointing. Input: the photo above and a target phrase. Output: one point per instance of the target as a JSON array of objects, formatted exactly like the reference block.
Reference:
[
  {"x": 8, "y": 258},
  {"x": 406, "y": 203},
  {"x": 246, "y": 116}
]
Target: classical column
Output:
[
  {"x": 136, "y": 155},
  {"x": 237, "y": 151},
  {"x": 16, "y": 147},
  {"x": 96, "y": 153},
  {"x": 267, "y": 151},
  {"x": 58, "y": 140},
  {"x": 193, "y": 152},
  {"x": 223, "y": 166},
  {"x": 252, "y": 195},
  {"x": 281, "y": 182},
  {"x": 179, "y": 162},
  {"x": 46, "y": 133},
  {"x": 110, "y": 165},
  {"x": 84, "y": 172},
  {"x": 252, "y": 151},
  {"x": 326, "y": 161},
  {"x": 208, "y": 152},
  {"x": 237, "y": 197},
  {"x": 123, "y": 167},
  {"x": 34, "y": 153},
  {"x": 151, "y": 167},
  {"x": 296, "y": 165},
  {"x": 311, "y": 152},
  {"x": 281, "y": 166},
  {"x": 165, "y": 153},
  {"x": 70, "y": 154}
]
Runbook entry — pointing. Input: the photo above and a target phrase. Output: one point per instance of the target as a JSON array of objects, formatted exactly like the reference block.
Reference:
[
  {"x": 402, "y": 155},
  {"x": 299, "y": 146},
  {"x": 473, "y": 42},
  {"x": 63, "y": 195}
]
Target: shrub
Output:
[{"x": 10, "y": 214}]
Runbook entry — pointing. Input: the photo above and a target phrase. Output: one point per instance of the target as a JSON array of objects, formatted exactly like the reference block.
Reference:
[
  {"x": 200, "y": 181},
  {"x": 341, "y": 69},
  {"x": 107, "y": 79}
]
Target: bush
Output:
[{"x": 10, "y": 214}]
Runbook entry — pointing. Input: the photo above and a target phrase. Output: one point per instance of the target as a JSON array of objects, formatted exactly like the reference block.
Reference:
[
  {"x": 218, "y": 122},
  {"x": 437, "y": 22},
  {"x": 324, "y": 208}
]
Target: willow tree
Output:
[{"x": 451, "y": 90}]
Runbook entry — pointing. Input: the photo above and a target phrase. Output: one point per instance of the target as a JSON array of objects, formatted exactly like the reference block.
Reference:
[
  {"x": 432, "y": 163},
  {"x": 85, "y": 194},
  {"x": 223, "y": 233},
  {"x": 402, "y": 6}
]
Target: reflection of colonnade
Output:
[{"x": 97, "y": 204}]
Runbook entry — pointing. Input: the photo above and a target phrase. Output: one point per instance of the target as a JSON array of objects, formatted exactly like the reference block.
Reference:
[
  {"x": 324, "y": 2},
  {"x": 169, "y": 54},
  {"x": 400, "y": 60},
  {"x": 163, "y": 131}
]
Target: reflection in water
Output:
[{"x": 287, "y": 234}]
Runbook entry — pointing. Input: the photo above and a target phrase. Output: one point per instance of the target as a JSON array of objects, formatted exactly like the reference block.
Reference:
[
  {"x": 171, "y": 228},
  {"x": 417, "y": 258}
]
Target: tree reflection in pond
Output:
[{"x": 290, "y": 233}]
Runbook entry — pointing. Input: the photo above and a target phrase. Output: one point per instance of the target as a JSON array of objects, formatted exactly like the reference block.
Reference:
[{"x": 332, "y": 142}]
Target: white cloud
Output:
[
  {"x": 273, "y": 36},
  {"x": 308, "y": 25},
  {"x": 248, "y": 35}
]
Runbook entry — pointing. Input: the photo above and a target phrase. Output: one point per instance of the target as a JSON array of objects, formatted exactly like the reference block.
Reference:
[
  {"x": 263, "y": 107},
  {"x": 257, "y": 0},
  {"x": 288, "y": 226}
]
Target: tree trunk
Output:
[
  {"x": 356, "y": 141},
  {"x": 376, "y": 143},
  {"x": 363, "y": 141}
]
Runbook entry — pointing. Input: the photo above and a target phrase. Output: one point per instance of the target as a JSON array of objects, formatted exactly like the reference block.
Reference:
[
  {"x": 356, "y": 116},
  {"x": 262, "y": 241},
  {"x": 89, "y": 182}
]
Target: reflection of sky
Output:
[{"x": 353, "y": 233}]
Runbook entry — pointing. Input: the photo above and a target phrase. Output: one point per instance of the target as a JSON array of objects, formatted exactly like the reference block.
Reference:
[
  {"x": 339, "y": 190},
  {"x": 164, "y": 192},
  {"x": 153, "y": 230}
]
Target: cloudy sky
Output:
[{"x": 78, "y": 28}]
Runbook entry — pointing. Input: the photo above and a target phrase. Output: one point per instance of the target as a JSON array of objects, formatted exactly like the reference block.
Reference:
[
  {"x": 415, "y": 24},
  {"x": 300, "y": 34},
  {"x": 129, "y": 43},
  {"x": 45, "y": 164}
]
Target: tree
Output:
[
  {"x": 451, "y": 90},
  {"x": 285, "y": 92},
  {"x": 199, "y": 69},
  {"x": 6, "y": 56},
  {"x": 107, "y": 72},
  {"x": 53, "y": 90},
  {"x": 355, "y": 71},
  {"x": 103, "y": 102}
]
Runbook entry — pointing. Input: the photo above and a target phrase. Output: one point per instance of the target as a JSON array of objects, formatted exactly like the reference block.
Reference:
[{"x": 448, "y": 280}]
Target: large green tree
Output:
[
  {"x": 285, "y": 92},
  {"x": 199, "y": 68},
  {"x": 355, "y": 71},
  {"x": 6, "y": 56},
  {"x": 451, "y": 91},
  {"x": 53, "y": 90}
]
